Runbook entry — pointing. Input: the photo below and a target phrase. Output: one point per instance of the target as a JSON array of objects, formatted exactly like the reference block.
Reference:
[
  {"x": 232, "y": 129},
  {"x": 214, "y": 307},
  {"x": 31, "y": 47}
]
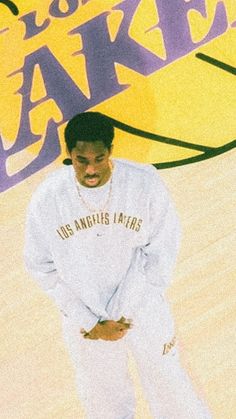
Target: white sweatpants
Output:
[{"x": 103, "y": 383}]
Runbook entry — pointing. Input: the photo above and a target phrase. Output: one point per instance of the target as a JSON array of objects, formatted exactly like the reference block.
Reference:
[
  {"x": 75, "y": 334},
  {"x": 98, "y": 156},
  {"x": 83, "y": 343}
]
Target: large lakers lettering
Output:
[{"x": 101, "y": 71}]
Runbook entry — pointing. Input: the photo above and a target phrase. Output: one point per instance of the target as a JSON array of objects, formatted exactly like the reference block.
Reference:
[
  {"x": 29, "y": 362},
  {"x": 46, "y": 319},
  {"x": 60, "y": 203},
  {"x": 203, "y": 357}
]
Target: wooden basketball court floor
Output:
[{"x": 36, "y": 374}]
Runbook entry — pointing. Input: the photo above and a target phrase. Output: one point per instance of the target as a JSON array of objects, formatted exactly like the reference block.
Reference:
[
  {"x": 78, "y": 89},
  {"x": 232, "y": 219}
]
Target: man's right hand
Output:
[{"x": 109, "y": 330}]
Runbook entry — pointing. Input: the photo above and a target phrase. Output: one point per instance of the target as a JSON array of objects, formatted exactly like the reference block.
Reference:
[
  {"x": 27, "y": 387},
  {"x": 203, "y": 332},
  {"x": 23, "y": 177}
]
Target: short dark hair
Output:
[{"x": 90, "y": 127}]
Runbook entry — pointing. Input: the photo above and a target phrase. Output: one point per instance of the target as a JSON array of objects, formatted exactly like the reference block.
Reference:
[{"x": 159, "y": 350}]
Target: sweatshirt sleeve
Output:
[
  {"x": 161, "y": 251},
  {"x": 39, "y": 263},
  {"x": 152, "y": 263}
]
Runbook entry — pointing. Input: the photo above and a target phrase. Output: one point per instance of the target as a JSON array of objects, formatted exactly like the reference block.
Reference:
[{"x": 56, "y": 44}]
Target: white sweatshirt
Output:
[{"x": 95, "y": 265}]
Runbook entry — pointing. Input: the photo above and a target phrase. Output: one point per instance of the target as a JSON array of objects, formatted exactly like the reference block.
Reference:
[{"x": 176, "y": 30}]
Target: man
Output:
[{"x": 101, "y": 239}]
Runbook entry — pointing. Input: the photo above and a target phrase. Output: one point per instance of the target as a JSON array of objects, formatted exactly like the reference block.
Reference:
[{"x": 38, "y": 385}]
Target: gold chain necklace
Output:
[{"x": 108, "y": 198}]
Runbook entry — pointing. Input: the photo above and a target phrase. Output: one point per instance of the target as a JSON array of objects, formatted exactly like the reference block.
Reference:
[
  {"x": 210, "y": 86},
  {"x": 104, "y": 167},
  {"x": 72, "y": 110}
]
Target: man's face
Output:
[{"x": 91, "y": 163}]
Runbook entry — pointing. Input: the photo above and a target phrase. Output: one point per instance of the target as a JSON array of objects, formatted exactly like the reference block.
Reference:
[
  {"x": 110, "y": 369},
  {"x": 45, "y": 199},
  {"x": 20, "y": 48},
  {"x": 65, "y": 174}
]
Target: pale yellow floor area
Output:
[{"x": 36, "y": 374}]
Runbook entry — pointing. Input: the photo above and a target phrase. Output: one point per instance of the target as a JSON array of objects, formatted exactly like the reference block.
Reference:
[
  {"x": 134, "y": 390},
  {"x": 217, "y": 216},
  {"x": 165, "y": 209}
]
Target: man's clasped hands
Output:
[{"x": 109, "y": 329}]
